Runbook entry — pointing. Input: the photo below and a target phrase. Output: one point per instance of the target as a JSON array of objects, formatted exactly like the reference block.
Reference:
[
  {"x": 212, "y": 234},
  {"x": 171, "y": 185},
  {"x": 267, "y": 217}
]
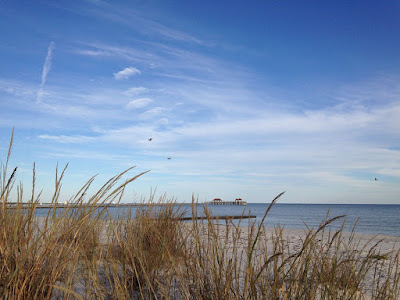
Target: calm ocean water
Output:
[{"x": 373, "y": 219}]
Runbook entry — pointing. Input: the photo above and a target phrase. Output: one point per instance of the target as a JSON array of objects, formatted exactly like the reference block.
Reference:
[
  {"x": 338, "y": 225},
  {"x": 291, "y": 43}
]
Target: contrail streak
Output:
[{"x": 46, "y": 70}]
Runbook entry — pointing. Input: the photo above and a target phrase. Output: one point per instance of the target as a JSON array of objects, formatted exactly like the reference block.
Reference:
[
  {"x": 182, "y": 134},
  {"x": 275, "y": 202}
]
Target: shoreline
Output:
[
  {"x": 222, "y": 244},
  {"x": 294, "y": 236},
  {"x": 353, "y": 245},
  {"x": 388, "y": 242}
]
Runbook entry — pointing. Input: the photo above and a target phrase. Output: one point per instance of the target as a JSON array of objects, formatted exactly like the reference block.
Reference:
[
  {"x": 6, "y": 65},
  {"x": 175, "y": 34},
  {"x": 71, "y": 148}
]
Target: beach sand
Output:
[
  {"x": 293, "y": 241},
  {"x": 295, "y": 238}
]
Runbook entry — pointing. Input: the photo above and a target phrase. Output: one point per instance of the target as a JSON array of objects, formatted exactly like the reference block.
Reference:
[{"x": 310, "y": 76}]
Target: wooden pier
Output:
[{"x": 218, "y": 201}]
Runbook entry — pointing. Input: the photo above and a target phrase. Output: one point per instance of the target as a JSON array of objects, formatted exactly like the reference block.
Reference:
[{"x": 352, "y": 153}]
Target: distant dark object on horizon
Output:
[
  {"x": 168, "y": 157},
  {"x": 376, "y": 179},
  {"x": 150, "y": 139}
]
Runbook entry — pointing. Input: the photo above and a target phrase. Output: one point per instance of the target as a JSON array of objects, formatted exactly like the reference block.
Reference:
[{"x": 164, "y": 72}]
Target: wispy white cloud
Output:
[
  {"x": 322, "y": 148},
  {"x": 170, "y": 33},
  {"x": 64, "y": 139},
  {"x": 136, "y": 91},
  {"x": 171, "y": 60},
  {"x": 132, "y": 19},
  {"x": 110, "y": 51},
  {"x": 152, "y": 113},
  {"x": 18, "y": 89},
  {"x": 374, "y": 91},
  {"x": 163, "y": 121},
  {"x": 139, "y": 103},
  {"x": 45, "y": 71},
  {"x": 126, "y": 73}
]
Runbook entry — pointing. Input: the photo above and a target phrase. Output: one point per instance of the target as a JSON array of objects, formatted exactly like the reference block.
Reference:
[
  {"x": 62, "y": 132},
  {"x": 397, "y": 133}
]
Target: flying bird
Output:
[
  {"x": 376, "y": 179},
  {"x": 150, "y": 139}
]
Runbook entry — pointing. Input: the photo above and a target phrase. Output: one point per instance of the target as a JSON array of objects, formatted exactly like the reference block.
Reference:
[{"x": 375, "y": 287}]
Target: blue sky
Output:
[{"x": 248, "y": 99}]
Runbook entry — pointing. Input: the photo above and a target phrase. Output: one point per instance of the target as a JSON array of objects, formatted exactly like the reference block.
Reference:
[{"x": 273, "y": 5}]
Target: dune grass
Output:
[{"x": 84, "y": 252}]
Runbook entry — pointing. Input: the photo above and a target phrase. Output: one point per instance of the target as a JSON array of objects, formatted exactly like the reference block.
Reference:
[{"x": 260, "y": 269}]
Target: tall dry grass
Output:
[
  {"x": 58, "y": 255},
  {"x": 86, "y": 252}
]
